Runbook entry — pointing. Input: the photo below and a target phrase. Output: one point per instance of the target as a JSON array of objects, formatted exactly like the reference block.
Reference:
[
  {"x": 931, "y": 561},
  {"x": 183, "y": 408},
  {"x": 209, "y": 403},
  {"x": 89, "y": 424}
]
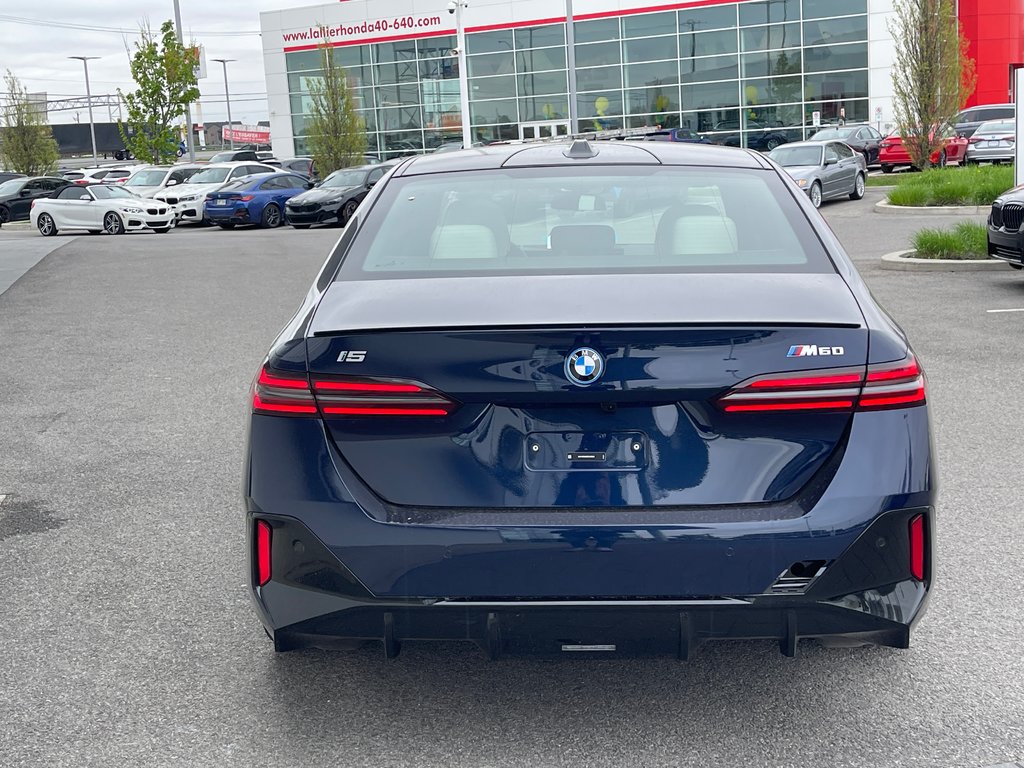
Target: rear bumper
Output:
[
  {"x": 227, "y": 214},
  {"x": 980, "y": 154}
]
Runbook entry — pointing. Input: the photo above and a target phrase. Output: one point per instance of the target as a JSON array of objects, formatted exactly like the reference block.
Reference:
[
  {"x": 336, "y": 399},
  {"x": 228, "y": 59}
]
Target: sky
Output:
[{"x": 37, "y": 37}]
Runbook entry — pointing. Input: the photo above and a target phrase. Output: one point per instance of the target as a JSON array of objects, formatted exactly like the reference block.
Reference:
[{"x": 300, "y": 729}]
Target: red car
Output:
[{"x": 891, "y": 151}]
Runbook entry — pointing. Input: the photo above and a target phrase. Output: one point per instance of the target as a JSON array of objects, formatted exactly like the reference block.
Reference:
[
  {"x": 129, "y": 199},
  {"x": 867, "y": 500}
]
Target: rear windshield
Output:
[
  {"x": 997, "y": 126},
  {"x": 584, "y": 220}
]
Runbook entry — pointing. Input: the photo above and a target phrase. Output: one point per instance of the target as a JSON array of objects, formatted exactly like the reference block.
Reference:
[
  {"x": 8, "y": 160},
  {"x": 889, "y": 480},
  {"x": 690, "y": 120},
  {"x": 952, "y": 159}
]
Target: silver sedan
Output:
[
  {"x": 823, "y": 169},
  {"x": 992, "y": 142}
]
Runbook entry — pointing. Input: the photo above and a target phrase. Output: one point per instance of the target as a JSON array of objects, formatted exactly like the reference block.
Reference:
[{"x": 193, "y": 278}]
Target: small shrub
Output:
[
  {"x": 967, "y": 240},
  {"x": 909, "y": 194},
  {"x": 972, "y": 185}
]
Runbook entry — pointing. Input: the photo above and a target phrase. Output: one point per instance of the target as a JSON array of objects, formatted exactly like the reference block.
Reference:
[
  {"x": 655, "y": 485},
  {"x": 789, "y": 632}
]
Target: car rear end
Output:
[
  {"x": 600, "y": 400},
  {"x": 230, "y": 206},
  {"x": 992, "y": 142},
  {"x": 892, "y": 153}
]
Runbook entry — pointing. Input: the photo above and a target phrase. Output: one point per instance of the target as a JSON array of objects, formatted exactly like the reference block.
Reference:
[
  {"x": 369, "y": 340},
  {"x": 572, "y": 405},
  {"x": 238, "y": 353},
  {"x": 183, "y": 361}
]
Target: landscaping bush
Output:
[
  {"x": 971, "y": 185},
  {"x": 967, "y": 240}
]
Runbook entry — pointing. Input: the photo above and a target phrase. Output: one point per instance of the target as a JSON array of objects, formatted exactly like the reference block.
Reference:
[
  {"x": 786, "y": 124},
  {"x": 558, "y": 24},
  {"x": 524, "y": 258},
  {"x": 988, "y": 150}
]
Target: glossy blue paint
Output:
[{"x": 227, "y": 206}]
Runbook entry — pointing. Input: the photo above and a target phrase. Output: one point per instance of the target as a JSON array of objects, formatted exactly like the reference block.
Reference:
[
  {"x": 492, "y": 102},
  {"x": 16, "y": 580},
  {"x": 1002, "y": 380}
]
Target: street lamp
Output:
[
  {"x": 456, "y": 6},
  {"x": 88, "y": 100},
  {"x": 227, "y": 98}
]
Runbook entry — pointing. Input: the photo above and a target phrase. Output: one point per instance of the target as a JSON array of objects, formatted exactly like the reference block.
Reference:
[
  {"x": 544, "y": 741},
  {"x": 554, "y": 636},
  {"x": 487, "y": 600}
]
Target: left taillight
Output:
[
  {"x": 289, "y": 394},
  {"x": 264, "y": 536},
  {"x": 917, "y": 547}
]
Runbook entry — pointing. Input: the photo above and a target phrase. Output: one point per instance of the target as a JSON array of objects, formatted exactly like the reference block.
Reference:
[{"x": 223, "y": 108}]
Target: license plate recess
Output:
[{"x": 595, "y": 451}]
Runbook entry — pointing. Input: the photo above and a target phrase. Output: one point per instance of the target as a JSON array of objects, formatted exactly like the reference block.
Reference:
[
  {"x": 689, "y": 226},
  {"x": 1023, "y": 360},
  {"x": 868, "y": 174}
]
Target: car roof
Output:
[
  {"x": 604, "y": 152},
  {"x": 809, "y": 143},
  {"x": 368, "y": 167}
]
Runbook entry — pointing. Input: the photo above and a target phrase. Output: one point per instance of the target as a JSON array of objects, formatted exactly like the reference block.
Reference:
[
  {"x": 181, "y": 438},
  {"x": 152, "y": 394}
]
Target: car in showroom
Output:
[
  {"x": 16, "y": 195},
  {"x": 187, "y": 199},
  {"x": 150, "y": 179},
  {"x": 760, "y": 135},
  {"x": 968, "y": 120},
  {"x": 861, "y": 138},
  {"x": 1005, "y": 224},
  {"x": 823, "y": 169},
  {"x": 992, "y": 142},
  {"x": 687, "y": 135},
  {"x": 99, "y": 208},
  {"x": 591, "y": 398},
  {"x": 335, "y": 199},
  {"x": 892, "y": 153},
  {"x": 254, "y": 200}
]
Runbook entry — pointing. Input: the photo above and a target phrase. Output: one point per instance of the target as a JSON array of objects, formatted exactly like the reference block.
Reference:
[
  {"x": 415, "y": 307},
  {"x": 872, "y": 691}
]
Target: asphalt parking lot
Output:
[{"x": 127, "y": 634}]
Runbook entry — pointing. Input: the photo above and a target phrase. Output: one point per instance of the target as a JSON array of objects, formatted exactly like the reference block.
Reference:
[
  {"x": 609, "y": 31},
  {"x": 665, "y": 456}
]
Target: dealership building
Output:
[{"x": 729, "y": 69}]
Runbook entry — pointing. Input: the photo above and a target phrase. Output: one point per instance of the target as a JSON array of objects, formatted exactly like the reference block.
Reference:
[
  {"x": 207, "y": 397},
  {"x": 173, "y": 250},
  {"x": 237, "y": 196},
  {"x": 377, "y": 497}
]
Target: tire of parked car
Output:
[
  {"x": 112, "y": 224},
  {"x": 348, "y": 211},
  {"x": 47, "y": 226},
  {"x": 858, "y": 187},
  {"x": 271, "y": 216},
  {"x": 887, "y": 169},
  {"x": 5, "y": 214},
  {"x": 816, "y": 195}
]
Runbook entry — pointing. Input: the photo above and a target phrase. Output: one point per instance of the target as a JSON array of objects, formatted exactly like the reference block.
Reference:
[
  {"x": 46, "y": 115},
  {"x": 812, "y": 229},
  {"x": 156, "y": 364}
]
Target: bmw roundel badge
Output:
[{"x": 584, "y": 366}]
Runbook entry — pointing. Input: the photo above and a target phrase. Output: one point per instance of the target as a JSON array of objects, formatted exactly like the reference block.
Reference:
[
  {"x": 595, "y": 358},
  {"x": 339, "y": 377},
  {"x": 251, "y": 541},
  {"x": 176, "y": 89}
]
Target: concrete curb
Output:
[
  {"x": 885, "y": 206},
  {"x": 900, "y": 262},
  {"x": 17, "y": 226}
]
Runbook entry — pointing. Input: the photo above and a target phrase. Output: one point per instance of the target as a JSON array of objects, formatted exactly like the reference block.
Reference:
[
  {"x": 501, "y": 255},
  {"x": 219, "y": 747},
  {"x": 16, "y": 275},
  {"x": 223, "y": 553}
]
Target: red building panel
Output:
[{"x": 995, "y": 29}]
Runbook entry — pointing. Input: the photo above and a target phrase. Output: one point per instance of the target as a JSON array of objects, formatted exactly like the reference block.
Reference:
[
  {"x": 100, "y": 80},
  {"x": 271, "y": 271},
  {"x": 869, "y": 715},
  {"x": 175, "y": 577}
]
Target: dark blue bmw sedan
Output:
[{"x": 603, "y": 398}]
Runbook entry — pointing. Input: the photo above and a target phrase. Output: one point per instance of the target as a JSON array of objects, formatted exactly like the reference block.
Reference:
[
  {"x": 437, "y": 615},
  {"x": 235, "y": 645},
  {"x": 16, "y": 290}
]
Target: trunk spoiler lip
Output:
[{"x": 581, "y": 327}]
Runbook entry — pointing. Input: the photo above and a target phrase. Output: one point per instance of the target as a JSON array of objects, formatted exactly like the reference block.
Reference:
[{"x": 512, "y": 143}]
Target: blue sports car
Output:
[
  {"x": 258, "y": 199},
  {"x": 599, "y": 398}
]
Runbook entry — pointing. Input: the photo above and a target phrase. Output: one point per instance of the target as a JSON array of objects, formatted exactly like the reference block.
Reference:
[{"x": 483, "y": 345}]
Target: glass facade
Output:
[{"x": 750, "y": 74}]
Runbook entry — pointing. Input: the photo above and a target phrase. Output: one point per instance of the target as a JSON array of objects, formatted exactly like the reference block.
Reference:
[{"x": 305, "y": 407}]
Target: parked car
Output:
[
  {"x": 150, "y": 179},
  {"x": 992, "y": 142},
  {"x": 254, "y": 200},
  {"x": 861, "y": 138},
  {"x": 967, "y": 121},
  {"x": 16, "y": 195},
  {"x": 94, "y": 175},
  {"x": 760, "y": 136},
  {"x": 334, "y": 199},
  {"x": 234, "y": 156},
  {"x": 1005, "y": 224},
  {"x": 8, "y": 175},
  {"x": 268, "y": 158},
  {"x": 99, "y": 208},
  {"x": 687, "y": 135},
  {"x": 823, "y": 169},
  {"x": 584, "y": 433},
  {"x": 187, "y": 198},
  {"x": 892, "y": 153}
]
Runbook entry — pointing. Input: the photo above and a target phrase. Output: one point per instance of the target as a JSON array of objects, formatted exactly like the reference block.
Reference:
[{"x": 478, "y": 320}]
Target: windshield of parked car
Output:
[
  {"x": 594, "y": 220},
  {"x": 345, "y": 179},
  {"x": 147, "y": 178},
  {"x": 11, "y": 187},
  {"x": 997, "y": 126},
  {"x": 106, "y": 192},
  {"x": 789, "y": 157},
  {"x": 831, "y": 134},
  {"x": 210, "y": 176}
]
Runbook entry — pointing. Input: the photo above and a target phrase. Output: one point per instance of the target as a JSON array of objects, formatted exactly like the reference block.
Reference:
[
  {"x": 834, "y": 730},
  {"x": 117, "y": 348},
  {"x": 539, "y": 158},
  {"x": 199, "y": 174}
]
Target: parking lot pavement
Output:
[{"x": 128, "y": 638}]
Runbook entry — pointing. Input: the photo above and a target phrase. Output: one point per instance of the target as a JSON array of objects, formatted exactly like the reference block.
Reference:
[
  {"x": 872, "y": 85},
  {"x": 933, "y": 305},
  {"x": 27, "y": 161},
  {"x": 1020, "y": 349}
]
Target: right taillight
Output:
[
  {"x": 289, "y": 394},
  {"x": 917, "y": 547},
  {"x": 893, "y": 385},
  {"x": 263, "y": 541},
  {"x": 881, "y": 386}
]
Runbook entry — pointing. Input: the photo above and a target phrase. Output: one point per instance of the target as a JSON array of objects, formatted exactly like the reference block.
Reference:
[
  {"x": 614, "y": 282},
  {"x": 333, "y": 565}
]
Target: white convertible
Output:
[{"x": 99, "y": 208}]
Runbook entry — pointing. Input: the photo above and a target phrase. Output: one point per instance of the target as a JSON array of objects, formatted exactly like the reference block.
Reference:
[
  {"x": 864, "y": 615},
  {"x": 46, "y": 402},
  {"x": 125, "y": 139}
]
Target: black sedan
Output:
[
  {"x": 16, "y": 195},
  {"x": 862, "y": 138},
  {"x": 335, "y": 199},
  {"x": 1006, "y": 228}
]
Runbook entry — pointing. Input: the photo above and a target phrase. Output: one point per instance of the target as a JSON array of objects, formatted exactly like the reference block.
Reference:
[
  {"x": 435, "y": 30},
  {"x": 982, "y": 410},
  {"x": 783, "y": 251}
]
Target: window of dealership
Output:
[{"x": 733, "y": 71}]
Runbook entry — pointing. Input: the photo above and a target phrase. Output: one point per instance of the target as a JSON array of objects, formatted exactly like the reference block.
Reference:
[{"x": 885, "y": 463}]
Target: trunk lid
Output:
[{"x": 647, "y": 433}]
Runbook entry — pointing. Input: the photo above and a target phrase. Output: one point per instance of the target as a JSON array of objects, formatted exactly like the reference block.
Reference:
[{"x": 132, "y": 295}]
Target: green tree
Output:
[
  {"x": 26, "y": 141},
  {"x": 164, "y": 71},
  {"x": 932, "y": 77},
  {"x": 336, "y": 133}
]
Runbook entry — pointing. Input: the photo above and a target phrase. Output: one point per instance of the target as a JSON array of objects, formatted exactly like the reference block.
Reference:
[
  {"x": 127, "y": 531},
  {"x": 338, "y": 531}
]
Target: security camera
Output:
[{"x": 451, "y": 7}]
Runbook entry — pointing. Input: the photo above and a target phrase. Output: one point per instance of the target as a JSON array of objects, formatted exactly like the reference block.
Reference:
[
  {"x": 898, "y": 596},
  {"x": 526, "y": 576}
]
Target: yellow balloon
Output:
[
  {"x": 751, "y": 91},
  {"x": 601, "y": 104}
]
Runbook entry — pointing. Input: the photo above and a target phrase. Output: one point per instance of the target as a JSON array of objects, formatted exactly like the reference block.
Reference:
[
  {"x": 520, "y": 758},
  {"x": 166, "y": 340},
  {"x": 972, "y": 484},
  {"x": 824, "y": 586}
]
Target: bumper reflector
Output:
[
  {"x": 917, "y": 547},
  {"x": 262, "y": 552}
]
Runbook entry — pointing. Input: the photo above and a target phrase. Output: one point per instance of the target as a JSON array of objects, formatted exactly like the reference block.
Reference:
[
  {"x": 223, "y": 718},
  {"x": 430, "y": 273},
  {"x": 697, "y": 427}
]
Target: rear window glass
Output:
[{"x": 584, "y": 220}]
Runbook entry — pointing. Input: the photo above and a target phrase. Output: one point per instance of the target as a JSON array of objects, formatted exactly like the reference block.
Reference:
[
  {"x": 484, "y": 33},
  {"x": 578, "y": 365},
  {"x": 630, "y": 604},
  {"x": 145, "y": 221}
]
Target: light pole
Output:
[
  {"x": 227, "y": 98},
  {"x": 188, "y": 109},
  {"x": 456, "y": 6},
  {"x": 88, "y": 100}
]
